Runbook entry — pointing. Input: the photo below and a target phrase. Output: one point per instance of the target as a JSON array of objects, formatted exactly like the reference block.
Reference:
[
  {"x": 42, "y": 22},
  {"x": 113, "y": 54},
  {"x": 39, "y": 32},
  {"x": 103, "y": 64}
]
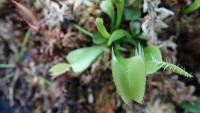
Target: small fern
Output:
[{"x": 172, "y": 67}]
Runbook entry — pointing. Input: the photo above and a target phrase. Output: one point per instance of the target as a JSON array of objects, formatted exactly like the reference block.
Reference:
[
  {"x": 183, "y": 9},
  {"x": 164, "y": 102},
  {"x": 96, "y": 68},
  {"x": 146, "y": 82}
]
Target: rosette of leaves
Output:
[{"x": 129, "y": 73}]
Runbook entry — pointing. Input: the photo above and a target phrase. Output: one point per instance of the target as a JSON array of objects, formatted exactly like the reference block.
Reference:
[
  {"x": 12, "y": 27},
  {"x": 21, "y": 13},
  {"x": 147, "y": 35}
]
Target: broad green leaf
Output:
[
  {"x": 129, "y": 77},
  {"x": 151, "y": 52},
  {"x": 194, "y": 6},
  {"x": 119, "y": 73},
  {"x": 101, "y": 28},
  {"x": 59, "y": 69},
  {"x": 81, "y": 59},
  {"x": 193, "y": 108},
  {"x": 99, "y": 39},
  {"x": 108, "y": 8},
  {"x": 118, "y": 34},
  {"x": 136, "y": 78},
  {"x": 132, "y": 14}
]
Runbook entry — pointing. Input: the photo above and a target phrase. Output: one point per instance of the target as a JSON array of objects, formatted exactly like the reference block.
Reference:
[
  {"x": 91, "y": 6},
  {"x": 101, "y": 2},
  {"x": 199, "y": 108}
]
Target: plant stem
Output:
[{"x": 84, "y": 31}]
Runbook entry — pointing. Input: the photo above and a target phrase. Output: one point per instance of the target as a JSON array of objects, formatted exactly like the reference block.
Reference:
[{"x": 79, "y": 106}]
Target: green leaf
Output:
[
  {"x": 119, "y": 73},
  {"x": 142, "y": 36},
  {"x": 171, "y": 67},
  {"x": 120, "y": 9},
  {"x": 118, "y": 34},
  {"x": 101, "y": 28},
  {"x": 136, "y": 78},
  {"x": 194, "y": 6},
  {"x": 81, "y": 59},
  {"x": 193, "y": 108},
  {"x": 99, "y": 39},
  {"x": 132, "y": 14},
  {"x": 129, "y": 77},
  {"x": 151, "y": 52},
  {"x": 59, "y": 69},
  {"x": 108, "y": 8},
  {"x": 153, "y": 62},
  {"x": 135, "y": 27}
]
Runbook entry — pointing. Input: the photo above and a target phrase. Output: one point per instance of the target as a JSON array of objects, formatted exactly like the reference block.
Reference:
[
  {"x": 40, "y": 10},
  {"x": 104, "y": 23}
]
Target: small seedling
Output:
[{"x": 129, "y": 73}]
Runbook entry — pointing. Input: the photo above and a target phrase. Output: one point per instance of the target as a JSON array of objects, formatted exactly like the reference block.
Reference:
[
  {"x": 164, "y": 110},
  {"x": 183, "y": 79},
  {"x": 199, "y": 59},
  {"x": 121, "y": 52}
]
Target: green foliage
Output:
[
  {"x": 193, "y": 108},
  {"x": 99, "y": 39},
  {"x": 149, "y": 53},
  {"x": 108, "y": 8},
  {"x": 101, "y": 28},
  {"x": 132, "y": 14},
  {"x": 59, "y": 69},
  {"x": 81, "y": 59},
  {"x": 120, "y": 8},
  {"x": 120, "y": 78},
  {"x": 136, "y": 78},
  {"x": 194, "y": 6},
  {"x": 84, "y": 31},
  {"x": 118, "y": 34},
  {"x": 135, "y": 28},
  {"x": 129, "y": 73},
  {"x": 126, "y": 74},
  {"x": 171, "y": 67}
]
